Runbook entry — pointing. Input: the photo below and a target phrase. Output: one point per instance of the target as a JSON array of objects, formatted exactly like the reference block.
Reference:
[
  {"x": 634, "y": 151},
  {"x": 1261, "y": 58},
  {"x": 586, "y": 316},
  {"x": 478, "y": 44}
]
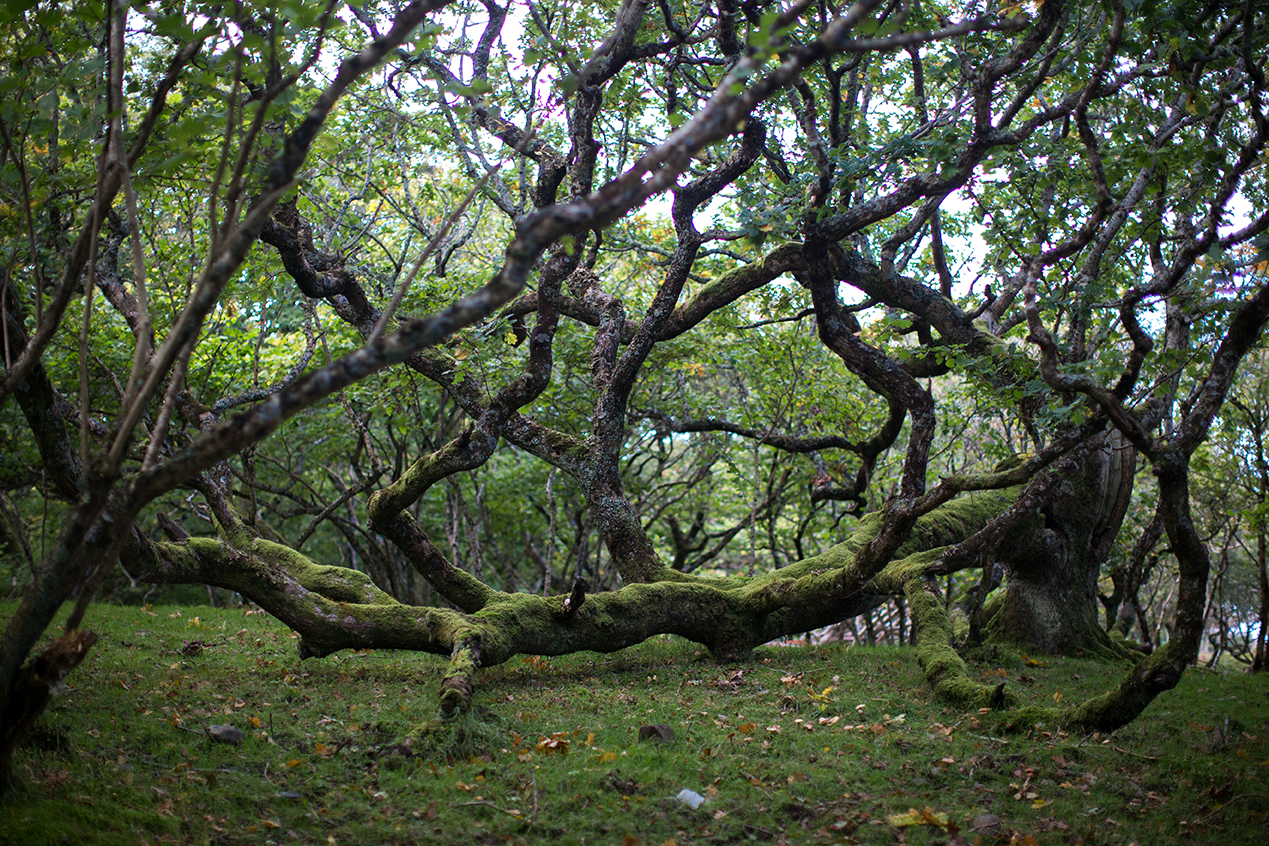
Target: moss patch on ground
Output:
[{"x": 799, "y": 744}]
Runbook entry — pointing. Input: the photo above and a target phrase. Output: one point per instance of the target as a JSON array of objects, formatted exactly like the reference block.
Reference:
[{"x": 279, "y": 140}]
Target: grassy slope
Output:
[{"x": 121, "y": 756}]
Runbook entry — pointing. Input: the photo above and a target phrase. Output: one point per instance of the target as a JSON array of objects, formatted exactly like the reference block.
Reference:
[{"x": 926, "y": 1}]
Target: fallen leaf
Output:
[
  {"x": 557, "y": 742},
  {"x": 925, "y": 816}
]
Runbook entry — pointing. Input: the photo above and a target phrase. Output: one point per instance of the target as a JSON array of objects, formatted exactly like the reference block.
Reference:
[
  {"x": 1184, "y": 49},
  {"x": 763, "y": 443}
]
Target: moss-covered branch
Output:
[
  {"x": 334, "y": 608},
  {"x": 944, "y": 668}
]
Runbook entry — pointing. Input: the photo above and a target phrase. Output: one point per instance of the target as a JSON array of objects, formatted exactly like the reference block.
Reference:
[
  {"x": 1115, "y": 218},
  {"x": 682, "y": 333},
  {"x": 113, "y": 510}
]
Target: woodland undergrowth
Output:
[{"x": 800, "y": 744}]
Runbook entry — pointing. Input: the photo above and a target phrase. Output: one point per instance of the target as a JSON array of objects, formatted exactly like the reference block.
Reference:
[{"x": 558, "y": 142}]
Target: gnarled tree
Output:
[{"x": 631, "y": 266}]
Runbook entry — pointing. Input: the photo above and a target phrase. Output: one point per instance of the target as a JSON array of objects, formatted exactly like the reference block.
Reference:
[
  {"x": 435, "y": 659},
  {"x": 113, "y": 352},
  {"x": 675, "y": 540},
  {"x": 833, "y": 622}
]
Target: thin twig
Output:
[
  {"x": 388, "y": 313},
  {"x": 344, "y": 497},
  {"x": 1124, "y": 751},
  {"x": 1235, "y": 799},
  {"x": 512, "y": 813}
]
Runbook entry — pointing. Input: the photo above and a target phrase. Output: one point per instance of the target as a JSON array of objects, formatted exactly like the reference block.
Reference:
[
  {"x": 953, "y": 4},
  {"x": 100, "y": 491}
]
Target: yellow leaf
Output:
[
  {"x": 925, "y": 816},
  {"x": 933, "y": 817},
  {"x": 912, "y": 817}
]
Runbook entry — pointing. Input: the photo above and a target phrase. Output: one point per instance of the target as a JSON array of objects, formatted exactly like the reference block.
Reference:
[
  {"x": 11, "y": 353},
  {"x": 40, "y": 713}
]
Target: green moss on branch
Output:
[{"x": 943, "y": 667}]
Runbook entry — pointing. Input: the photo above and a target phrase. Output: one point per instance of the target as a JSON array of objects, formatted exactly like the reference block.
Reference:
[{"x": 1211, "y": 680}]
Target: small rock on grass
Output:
[
  {"x": 225, "y": 734},
  {"x": 987, "y": 823},
  {"x": 657, "y": 733}
]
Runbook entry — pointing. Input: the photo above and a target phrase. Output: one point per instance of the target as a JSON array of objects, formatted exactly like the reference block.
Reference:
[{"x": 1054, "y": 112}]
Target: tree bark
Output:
[{"x": 1051, "y": 574}]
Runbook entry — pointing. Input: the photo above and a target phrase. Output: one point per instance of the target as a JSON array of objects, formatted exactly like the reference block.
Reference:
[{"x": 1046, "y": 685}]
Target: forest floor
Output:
[{"x": 809, "y": 744}]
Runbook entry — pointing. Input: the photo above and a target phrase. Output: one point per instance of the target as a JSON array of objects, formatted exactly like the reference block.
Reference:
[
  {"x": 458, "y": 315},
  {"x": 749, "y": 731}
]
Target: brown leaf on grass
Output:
[
  {"x": 954, "y": 836},
  {"x": 556, "y": 743}
]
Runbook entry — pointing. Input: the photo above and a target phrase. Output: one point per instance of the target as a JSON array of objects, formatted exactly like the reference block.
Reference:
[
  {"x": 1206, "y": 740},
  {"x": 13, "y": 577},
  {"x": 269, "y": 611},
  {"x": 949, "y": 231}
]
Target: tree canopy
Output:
[{"x": 486, "y": 328}]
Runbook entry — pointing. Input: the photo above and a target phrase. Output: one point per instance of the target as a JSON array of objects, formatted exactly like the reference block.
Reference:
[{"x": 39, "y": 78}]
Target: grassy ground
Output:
[{"x": 799, "y": 745}]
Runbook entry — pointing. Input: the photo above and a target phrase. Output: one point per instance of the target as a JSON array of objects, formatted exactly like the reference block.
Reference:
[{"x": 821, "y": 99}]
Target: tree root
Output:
[
  {"x": 944, "y": 668},
  {"x": 459, "y": 682},
  {"x": 475, "y": 731}
]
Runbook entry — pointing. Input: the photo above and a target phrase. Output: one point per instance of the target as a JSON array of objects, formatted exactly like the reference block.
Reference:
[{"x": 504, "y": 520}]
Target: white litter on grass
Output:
[{"x": 690, "y": 798}]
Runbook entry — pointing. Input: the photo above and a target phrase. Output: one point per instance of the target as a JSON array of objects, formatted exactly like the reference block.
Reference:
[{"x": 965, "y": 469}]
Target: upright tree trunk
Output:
[
  {"x": 1051, "y": 573},
  {"x": 1260, "y": 660}
]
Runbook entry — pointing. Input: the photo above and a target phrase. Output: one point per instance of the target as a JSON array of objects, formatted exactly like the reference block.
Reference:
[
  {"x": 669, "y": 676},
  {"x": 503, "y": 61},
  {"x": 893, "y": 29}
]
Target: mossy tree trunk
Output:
[
  {"x": 334, "y": 608},
  {"x": 1051, "y": 572}
]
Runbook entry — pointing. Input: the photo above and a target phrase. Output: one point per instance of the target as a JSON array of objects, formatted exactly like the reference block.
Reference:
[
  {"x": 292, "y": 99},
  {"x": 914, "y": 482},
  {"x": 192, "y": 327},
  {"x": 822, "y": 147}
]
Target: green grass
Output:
[{"x": 345, "y": 750}]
